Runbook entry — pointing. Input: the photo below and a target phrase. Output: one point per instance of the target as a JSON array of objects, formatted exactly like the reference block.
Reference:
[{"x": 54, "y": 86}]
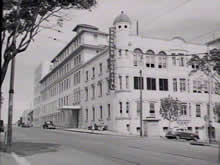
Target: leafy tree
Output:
[
  {"x": 207, "y": 63},
  {"x": 22, "y": 21},
  {"x": 170, "y": 109}
]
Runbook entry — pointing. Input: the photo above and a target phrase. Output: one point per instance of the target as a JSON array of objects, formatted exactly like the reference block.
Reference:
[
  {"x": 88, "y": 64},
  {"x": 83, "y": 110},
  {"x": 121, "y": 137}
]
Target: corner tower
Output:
[{"x": 122, "y": 24}]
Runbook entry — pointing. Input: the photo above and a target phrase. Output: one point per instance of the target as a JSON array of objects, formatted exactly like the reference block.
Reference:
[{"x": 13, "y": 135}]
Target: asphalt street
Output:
[{"x": 57, "y": 147}]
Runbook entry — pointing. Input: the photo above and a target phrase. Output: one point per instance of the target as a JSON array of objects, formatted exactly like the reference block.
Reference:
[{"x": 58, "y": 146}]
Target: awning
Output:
[{"x": 70, "y": 107}]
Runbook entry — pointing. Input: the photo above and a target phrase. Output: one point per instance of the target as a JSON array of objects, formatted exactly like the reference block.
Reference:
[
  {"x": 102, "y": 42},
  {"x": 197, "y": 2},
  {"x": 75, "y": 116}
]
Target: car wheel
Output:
[{"x": 177, "y": 137}]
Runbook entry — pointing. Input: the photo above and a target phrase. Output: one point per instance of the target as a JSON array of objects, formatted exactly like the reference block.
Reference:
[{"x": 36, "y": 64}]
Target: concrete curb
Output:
[
  {"x": 205, "y": 144},
  {"x": 95, "y": 132}
]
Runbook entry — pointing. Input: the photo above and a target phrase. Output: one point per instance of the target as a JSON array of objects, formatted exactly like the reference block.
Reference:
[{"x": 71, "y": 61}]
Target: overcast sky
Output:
[{"x": 195, "y": 20}]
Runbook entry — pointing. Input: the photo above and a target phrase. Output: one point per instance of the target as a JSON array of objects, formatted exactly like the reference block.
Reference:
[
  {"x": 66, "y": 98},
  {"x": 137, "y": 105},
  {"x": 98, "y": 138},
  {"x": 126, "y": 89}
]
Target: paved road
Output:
[{"x": 35, "y": 146}]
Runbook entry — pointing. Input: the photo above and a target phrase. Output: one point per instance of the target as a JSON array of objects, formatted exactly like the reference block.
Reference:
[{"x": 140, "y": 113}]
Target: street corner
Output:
[{"x": 7, "y": 159}]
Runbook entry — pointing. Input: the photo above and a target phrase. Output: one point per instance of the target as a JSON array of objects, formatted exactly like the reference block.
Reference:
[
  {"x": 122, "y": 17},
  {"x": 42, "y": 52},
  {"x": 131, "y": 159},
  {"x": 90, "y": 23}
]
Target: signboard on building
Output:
[{"x": 111, "y": 60}]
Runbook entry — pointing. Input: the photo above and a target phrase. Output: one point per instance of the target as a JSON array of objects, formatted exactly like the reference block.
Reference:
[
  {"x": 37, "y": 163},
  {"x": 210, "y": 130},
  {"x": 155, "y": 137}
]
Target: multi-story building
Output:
[
  {"x": 78, "y": 93},
  {"x": 41, "y": 70}
]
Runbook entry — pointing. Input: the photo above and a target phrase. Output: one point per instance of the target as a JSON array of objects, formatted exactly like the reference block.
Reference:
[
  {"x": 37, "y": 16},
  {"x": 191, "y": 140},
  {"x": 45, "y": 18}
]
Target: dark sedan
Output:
[
  {"x": 49, "y": 125},
  {"x": 182, "y": 135}
]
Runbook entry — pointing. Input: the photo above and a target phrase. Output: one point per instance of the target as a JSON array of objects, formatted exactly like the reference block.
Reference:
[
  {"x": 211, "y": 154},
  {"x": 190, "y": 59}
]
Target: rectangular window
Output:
[
  {"x": 100, "y": 68},
  {"x": 93, "y": 72},
  {"x": 101, "y": 112},
  {"x": 162, "y": 62},
  {"x": 174, "y": 61},
  {"x": 120, "y": 104},
  {"x": 184, "y": 109},
  {"x": 109, "y": 111},
  {"x": 196, "y": 86},
  {"x": 182, "y": 85},
  {"x": 147, "y": 61},
  {"x": 138, "y": 83},
  {"x": 87, "y": 94},
  {"x": 152, "y": 64},
  {"x": 175, "y": 85},
  {"x": 120, "y": 82},
  {"x": 163, "y": 83},
  {"x": 135, "y": 60},
  {"x": 181, "y": 61},
  {"x": 100, "y": 89},
  {"x": 127, "y": 107},
  {"x": 198, "y": 110},
  {"x": 151, "y": 83},
  {"x": 93, "y": 113},
  {"x": 87, "y": 75},
  {"x": 93, "y": 91},
  {"x": 127, "y": 82},
  {"x": 205, "y": 86},
  {"x": 87, "y": 115},
  {"x": 152, "y": 110}
]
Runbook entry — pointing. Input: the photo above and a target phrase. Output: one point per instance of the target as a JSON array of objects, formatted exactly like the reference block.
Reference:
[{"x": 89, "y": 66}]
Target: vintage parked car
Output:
[
  {"x": 1, "y": 126},
  {"x": 48, "y": 125},
  {"x": 181, "y": 135}
]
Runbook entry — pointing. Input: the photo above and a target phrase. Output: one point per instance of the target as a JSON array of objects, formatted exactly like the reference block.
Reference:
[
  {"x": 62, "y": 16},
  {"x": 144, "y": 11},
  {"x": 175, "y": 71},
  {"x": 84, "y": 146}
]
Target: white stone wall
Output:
[{"x": 122, "y": 121}]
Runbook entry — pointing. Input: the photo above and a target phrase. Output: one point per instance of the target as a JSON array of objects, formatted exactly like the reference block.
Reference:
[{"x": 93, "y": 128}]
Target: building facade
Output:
[
  {"x": 41, "y": 70},
  {"x": 78, "y": 93}
]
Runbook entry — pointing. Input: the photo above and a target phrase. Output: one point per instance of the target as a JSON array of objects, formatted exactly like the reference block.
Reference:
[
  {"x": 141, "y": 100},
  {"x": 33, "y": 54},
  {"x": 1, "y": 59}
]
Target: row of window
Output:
[
  {"x": 93, "y": 87},
  {"x": 199, "y": 86},
  {"x": 184, "y": 109},
  {"x": 76, "y": 96},
  {"x": 74, "y": 45},
  {"x": 76, "y": 78},
  {"x": 150, "y": 61},
  {"x": 63, "y": 70},
  {"x": 151, "y": 83},
  {"x": 93, "y": 72},
  {"x": 101, "y": 109}
]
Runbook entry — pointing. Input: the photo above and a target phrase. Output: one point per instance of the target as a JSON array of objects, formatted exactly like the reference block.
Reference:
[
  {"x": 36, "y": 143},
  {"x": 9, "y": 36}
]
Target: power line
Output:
[
  {"x": 204, "y": 34},
  {"x": 169, "y": 11}
]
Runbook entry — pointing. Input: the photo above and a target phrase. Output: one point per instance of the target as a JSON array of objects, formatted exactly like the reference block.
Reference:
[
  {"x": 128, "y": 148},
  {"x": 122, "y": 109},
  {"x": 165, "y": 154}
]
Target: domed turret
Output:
[
  {"x": 122, "y": 18},
  {"x": 122, "y": 24}
]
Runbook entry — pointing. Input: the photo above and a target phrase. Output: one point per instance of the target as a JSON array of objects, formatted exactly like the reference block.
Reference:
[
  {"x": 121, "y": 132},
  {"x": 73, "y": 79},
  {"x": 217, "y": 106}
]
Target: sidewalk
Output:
[
  {"x": 127, "y": 135},
  {"x": 97, "y": 132},
  {"x": 5, "y": 158}
]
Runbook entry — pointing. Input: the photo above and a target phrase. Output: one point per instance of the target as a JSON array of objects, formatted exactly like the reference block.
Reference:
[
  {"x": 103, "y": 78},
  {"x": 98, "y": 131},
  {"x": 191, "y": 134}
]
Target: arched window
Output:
[
  {"x": 162, "y": 60},
  {"x": 150, "y": 59},
  {"x": 138, "y": 53},
  {"x": 138, "y": 50},
  {"x": 162, "y": 53},
  {"x": 150, "y": 52}
]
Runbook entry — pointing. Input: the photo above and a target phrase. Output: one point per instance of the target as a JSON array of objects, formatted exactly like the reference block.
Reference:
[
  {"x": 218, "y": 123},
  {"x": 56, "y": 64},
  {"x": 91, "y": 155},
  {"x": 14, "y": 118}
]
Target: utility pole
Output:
[
  {"x": 209, "y": 101},
  {"x": 141, "y": 101},
  {"x": 11, "y": 90},
  {"x": 10, "y": 104}
]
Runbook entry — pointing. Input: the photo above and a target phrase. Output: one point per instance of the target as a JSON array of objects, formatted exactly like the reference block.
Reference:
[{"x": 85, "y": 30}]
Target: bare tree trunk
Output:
[{"x": 4, "y": 69}]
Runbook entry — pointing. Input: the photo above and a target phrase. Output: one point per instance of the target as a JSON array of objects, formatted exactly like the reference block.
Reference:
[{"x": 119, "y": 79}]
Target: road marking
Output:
[{"x": 20, "y": 160}]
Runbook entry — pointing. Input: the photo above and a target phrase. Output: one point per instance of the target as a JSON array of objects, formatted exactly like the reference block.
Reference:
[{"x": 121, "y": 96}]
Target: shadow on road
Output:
[{"x": 29, "y": 148}]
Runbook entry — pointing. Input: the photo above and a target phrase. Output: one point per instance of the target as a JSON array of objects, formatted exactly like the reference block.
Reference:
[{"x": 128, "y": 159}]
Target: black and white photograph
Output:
[{"x": 110, "y": 82}]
